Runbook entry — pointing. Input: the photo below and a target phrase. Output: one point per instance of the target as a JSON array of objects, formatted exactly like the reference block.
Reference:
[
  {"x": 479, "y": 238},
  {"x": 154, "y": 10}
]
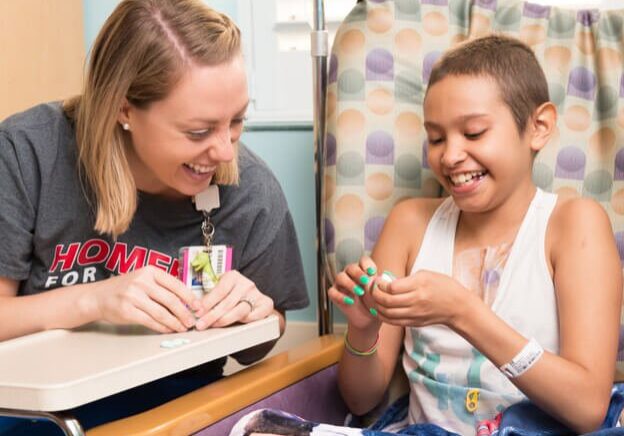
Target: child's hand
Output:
[
  {"x": 421, "y": 299},
  {"x": 351, "y": 293}
]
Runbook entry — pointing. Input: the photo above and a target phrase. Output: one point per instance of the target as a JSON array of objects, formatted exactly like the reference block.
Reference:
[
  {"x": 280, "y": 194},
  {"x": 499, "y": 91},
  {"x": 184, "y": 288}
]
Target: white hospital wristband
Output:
[{"x": 525, "y": 359}]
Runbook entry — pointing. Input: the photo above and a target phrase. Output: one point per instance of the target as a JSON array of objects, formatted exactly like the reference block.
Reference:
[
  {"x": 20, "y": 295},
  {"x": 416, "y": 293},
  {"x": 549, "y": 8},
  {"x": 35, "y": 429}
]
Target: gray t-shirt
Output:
[{"x": 46, "y": 223}]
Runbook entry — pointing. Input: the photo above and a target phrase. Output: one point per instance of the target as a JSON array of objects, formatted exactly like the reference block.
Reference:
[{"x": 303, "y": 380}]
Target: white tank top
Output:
[{"x": 442, "y": 366}]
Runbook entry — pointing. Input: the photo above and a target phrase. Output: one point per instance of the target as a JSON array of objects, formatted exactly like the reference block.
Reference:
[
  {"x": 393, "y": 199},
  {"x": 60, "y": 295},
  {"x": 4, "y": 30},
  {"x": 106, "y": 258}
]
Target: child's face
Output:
[{"x": 474, "y": 146}]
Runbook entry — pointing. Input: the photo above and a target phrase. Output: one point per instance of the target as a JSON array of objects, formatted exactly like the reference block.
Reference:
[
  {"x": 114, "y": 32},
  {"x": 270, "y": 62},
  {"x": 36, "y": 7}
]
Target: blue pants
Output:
[
  {"x": 121, "y": 405},
  {"x": 521, "y": 419}
]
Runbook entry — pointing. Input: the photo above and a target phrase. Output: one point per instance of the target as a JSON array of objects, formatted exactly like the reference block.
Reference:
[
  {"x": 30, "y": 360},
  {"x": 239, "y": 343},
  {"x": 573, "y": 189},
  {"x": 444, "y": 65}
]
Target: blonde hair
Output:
[{"x": 139, "y": 55}]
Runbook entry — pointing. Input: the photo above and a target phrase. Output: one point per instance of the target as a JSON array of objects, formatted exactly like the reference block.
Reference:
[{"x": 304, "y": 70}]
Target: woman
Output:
[{"x": 98, "y": 193}]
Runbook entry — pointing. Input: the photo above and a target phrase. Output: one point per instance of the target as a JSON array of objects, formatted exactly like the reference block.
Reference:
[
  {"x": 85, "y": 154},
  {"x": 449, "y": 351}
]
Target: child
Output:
[{"x": 503, "y": 292}]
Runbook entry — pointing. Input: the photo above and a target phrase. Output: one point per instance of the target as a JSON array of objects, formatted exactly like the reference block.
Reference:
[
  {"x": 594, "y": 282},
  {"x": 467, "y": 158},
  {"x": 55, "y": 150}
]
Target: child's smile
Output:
[{"x": 466, "y": 179}]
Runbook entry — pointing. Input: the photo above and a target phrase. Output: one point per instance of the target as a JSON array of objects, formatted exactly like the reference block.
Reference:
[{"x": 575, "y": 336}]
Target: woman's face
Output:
[{"x": 178, "y": 142}]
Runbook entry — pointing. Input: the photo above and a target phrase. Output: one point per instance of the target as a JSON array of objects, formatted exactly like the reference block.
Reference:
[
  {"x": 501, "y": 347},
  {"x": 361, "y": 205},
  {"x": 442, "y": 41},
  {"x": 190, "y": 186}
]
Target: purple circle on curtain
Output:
[
  {"x": 428, "y": 61},
  {"x": 486, "y": 4},
  {"x": 379, "y": 65},
  {"x": 333, "y": 69},
  {"x": 372, "y": 229},
  {"x": 379, "y": 61},
  {"x": 532, "y": 10},
  {"x": 329, "y": 236},
  {"x": 582, "y": 83},
  {"x": 571, "y": 159},
  {"x": 330, "y": 149},
  {"x": 379, "y": 144},
  {"x": 582, "y": 79},
  {"x": 619, "y": 242},
  {"x": 425, "y": 154},
  {"x": 587, "y": 17},
  {"x": 619, "y": 161},
  {"x": 622, "y": 86}
]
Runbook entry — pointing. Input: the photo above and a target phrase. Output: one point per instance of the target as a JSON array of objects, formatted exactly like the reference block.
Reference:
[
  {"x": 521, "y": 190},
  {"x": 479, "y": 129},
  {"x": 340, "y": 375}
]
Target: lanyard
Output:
[{"x": 205, "y": 202}]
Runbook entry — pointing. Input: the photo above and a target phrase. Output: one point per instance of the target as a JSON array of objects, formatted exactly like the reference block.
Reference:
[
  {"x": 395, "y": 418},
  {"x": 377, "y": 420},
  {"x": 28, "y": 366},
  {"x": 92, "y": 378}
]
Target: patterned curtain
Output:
[{"x": 379, "y": 68}]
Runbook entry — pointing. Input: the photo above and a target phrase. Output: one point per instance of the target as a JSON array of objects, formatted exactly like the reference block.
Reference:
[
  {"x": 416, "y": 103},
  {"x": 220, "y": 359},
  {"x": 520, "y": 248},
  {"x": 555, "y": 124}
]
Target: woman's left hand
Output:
[
  {"x": 421, "y": 299},
  {"x": 234, "y": 299}
]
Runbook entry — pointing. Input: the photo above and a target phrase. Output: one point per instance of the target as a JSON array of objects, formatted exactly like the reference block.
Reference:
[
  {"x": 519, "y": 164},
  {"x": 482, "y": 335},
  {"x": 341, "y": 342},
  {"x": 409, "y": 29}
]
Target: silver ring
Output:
[{"x": 248, "y": 301}]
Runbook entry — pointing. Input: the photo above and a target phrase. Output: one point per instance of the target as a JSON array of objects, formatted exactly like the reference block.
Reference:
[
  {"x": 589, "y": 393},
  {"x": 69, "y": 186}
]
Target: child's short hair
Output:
[{"x": 510, "y": 62}]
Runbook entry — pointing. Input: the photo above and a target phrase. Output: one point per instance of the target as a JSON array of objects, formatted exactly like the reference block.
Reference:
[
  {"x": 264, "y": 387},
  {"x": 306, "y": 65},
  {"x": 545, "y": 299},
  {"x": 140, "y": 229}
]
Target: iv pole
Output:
[{"x": 319, "y": 51}]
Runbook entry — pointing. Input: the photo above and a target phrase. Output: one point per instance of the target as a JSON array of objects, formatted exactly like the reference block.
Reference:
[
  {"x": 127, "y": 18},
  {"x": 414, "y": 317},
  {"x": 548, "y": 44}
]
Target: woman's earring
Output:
[{"x": 125, "y": 126}]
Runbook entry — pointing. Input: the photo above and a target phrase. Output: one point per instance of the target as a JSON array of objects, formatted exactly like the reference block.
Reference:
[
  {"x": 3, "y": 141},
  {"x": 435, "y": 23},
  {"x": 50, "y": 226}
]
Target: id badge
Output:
[{"x": 200, "y": 268}]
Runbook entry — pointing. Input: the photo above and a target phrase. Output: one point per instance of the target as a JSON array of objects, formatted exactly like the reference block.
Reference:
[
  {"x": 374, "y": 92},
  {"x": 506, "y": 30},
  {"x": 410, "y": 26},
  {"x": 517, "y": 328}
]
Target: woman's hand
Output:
[
  {"x": 234, "y": 299},
  {"x": 148, "y": 296},
  {"x": 351, "y": 293},
  {"x": 421, "y": 299}
]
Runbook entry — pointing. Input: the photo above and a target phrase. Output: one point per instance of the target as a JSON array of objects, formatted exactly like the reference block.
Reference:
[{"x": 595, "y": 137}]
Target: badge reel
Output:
[{"x": 202, "y": 265}]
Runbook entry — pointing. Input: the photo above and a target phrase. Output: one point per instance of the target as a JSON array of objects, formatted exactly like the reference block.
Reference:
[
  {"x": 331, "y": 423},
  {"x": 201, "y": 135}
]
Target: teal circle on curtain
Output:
[
  {"x": 350, "y": 164},
  {"x": 598, "y": 184},
  {"x": 351, "y": 85},
  {"x": 561, "y": 24},
  {"x": 508, "y": 18},
  {"x": 543, "y": 176},
  {"x": 348, "y": 251},
  {"x": 557, "y": 93},
  {"x": 611, "y": 26}
]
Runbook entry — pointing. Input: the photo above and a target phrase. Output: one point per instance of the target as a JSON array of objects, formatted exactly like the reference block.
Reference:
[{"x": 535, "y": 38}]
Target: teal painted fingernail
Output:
[
  {"x": 358, "y": 290},
  {"x": 371, "y": 271},
  {"x": 364, "y": 280},
  {"x": 373, "y": 311},
  {"x": 348, "y": 300}
]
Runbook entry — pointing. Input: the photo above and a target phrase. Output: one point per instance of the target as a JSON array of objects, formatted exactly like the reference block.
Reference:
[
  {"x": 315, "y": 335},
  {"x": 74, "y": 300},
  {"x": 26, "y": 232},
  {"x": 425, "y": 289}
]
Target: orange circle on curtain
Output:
[
  {"x": 379, "y": 20},
  {"x": 577, "y": 118},
  {"x": 567, "y": 192},
  {"x": 407, "y": 128},
  {"x": 602, "y": 142},
  {"x": 479, "y": 26},
  {"x": 349, "y": 208},
  {"x": 379, "y": 186},
  {"x": 609, "y": 59},
  {"x": 435, "y": 23},
  {"x": 620, "y": 118},
  {"x": 457, "y": 39},
  {"x": 330, "y": 188},
  {"x": 533, "y": 34},
  {"x": 380, "y": 101},
  {"x": 331, "y": 103},
  {"x": 408, "y": 42},
  {"x": 585, "y": 42},
  {"x": 351, "y": 42},
  {"x": 617, "y": 202},
  {"x": 558, "y": 57},
  {"x": 350, "y": 124}
]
